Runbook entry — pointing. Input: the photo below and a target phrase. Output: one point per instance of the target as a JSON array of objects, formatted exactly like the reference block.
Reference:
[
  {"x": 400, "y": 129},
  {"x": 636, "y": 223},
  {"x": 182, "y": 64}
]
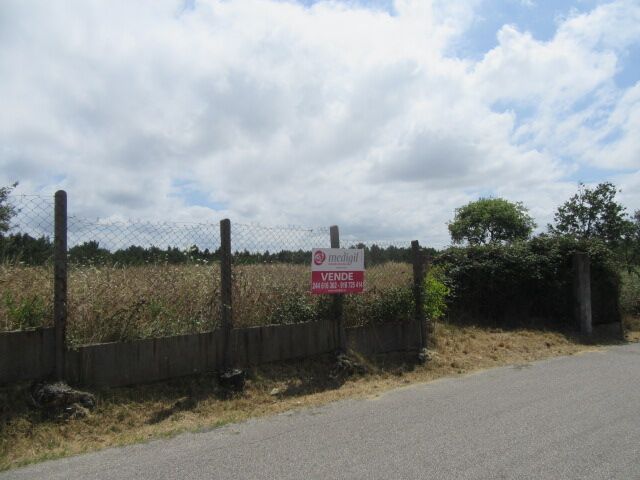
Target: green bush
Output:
[
  {"x": 389, "y": 305},
  {"x": 436, "y": 293},
  {"x": 29, "y": 312},
  {"x": 630, "y": 294},
  {"x": 527, "y": 280},
  {"x": 294, "y": 309},
  {"x": 395, "y": 304}
]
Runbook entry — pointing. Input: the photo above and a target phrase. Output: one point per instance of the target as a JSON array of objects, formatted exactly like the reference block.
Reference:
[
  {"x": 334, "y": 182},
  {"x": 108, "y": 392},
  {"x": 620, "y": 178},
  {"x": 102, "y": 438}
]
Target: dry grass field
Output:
[
  {"x": 26, "y": 297},
  {"x": 123, "y": 303},
  {"x": 140, "y": 413}
]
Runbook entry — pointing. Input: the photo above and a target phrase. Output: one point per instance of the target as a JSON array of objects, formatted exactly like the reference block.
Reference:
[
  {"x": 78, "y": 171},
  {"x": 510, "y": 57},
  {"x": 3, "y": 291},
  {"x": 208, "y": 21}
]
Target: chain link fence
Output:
[
  {"x": 271, "y": 274},
  {"x": 138, "y": 279},
  {"x": 26, "y": 268},
  {"x": 388, "y": 294}
]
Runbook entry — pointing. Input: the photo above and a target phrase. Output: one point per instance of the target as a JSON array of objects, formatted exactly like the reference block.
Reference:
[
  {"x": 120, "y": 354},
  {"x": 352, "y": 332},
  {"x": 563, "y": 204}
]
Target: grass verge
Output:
[
  {"x": 631, "y": 324},
  {"x": 140, "y": 413}
]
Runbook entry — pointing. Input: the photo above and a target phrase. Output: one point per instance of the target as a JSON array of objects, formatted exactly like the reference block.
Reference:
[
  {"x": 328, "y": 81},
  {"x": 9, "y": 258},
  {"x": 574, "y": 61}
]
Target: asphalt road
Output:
[{"x": 564, "y": 418}]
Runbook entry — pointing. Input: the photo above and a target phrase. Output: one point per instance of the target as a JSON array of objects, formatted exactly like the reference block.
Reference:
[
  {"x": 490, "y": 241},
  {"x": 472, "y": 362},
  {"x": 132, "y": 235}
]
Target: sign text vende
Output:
[{"x": 337, "y": 270}]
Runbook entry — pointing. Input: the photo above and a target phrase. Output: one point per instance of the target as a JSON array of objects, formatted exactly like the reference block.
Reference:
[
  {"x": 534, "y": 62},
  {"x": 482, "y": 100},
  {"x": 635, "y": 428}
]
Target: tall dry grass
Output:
[
  {"x": 125, "y": 303},
  {"x": 261, "y": 293},
  {"x": 26, "y": 297},
  {"x": 112, "y": 304}
]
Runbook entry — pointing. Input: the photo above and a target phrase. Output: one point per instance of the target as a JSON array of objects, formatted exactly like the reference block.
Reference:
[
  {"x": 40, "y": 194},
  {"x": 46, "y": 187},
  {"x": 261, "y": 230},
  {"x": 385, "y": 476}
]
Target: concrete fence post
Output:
[
  {"x": 60, "y": 278},
  {"x": 418, "y": 261},
  {"x": 582, "y": 292},
  {"x": 338, "y": 300},
  {"x": 225, "y": 290}
]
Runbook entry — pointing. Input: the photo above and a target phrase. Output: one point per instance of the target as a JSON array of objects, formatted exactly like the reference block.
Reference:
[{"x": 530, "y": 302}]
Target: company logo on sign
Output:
[{"x": 337, "y": 270}]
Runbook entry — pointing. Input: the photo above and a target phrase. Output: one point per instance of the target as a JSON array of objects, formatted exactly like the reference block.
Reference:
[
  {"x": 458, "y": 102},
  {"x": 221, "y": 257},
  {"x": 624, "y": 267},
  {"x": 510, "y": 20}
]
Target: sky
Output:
[{"x": 379, "y": 116}]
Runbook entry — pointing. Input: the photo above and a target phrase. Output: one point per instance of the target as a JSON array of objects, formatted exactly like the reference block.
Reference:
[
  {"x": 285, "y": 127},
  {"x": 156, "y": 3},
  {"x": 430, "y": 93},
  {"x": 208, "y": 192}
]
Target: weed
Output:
[
  {"x": 294, "y": 309},
  {"x": 392, "y": 304},
  {"x": 630, "y": 294},
  {"x": 437, "y": 293},
  {"x": 27, "y": 312}
]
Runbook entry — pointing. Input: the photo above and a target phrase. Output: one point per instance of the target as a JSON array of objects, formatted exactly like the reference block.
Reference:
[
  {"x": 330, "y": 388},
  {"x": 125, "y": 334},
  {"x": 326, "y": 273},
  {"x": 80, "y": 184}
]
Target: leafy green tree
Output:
[
  {"x": 491, "y": 220},
  {"x": 593, "y": 213},
  {"x": 7, "y": 211}
]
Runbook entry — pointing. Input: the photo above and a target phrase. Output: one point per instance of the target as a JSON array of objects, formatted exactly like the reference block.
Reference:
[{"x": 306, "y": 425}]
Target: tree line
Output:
[
  {"x": 26, "y": 249},
  {"x": 592, "y": 213}
]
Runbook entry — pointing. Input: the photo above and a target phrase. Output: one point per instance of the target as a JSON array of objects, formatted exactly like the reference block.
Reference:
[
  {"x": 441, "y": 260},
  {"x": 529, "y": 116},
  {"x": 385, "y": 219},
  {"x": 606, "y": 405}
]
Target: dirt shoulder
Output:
[{"x": 141, "y": 413}]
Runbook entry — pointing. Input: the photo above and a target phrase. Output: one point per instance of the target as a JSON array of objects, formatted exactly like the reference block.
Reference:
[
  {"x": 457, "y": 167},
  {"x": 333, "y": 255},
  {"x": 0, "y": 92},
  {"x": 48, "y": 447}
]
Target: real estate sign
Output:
[{"x": 337, "y": 270}]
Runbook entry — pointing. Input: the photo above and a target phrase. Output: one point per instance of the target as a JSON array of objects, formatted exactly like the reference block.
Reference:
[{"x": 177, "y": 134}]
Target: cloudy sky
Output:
[{"x": 380, "y": 116}]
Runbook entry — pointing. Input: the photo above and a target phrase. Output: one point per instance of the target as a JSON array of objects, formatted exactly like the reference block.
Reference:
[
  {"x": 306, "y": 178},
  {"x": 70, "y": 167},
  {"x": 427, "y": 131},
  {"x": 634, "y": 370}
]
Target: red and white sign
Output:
[{"x": 337, "y": 270}]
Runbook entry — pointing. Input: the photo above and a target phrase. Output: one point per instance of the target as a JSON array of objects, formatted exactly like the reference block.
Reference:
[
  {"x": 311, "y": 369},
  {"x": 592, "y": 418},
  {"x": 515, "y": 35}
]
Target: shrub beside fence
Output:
[{"x": 530, "y": 283}]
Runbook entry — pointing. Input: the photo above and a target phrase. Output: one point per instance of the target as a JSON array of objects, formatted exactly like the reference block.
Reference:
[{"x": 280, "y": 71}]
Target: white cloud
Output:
[
  {"x": 567, "y": 86},
  {"x": 285, "y": 114},
  {"x": 612, "y": 26},
  {"x": 546, "y": 74}
]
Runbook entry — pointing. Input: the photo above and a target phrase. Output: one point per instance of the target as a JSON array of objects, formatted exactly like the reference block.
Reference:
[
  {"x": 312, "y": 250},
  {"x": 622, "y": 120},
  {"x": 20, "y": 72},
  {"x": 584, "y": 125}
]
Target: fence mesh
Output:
[
  {"x": 271, "y": 274},
  {"x": 272, "y": 278},
  {"x": 388, "y": 278},
  {"x": 26, "y": 272},
  {"x": 137, "y": 279}
]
